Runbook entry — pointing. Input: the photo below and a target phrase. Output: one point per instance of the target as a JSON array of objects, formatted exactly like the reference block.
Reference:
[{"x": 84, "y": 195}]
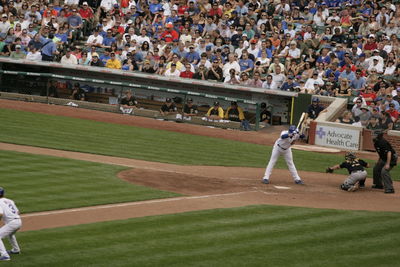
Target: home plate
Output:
[{"x": 282, "y": 187}]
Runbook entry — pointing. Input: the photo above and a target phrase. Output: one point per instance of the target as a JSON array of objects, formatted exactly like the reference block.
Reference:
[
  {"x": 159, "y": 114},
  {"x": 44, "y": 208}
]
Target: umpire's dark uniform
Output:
[{"x": 382, "y": 175}]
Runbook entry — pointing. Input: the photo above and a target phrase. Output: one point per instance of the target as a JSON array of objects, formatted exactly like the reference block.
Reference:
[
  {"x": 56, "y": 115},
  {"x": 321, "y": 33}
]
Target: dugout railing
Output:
[{"x": 44, "y": 78}]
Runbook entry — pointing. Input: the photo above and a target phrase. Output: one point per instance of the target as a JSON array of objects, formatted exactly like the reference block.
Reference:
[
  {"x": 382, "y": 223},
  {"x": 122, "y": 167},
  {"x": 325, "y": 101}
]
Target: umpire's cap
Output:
[{"x": 1, "y": 191}]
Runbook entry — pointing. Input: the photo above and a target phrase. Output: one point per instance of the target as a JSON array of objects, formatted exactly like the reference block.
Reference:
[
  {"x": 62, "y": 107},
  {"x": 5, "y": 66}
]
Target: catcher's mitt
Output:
[{"x": 329, "y": 170}]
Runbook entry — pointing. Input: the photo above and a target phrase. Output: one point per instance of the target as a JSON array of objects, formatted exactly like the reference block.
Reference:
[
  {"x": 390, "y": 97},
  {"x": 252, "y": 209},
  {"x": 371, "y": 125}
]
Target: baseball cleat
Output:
[
  {"x": 265, "y": 181},
  {"x": 353, "y": 188},
  {"x": 389, "y": 191},
  {"x": 4, "y": 258},
  {"x": 377, "y": 186},
  {"x": 13, "y": 252},
  {"x": 298, "y": 182}
]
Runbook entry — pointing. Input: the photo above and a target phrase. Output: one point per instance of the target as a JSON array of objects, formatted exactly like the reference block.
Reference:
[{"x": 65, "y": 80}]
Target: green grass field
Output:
[
  {"x": 147, "y": 144},
  {"x": 249, "y": 236},
  {"x": 39, "y": 183}
]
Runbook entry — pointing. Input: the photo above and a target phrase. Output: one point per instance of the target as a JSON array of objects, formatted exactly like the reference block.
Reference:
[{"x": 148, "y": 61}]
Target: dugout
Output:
[{"x": 285, "y": 106}]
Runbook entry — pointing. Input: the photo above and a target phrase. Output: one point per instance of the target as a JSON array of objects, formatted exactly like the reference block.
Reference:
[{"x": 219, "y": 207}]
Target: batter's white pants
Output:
[
  {"x": 8, "y": 230},
  {"x": 287, "y": 154}
]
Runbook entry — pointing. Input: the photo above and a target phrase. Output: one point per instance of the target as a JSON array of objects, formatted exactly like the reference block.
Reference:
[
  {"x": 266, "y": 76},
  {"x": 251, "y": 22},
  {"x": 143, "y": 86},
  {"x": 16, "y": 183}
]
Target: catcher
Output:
[{"x": 356, "y": 168}]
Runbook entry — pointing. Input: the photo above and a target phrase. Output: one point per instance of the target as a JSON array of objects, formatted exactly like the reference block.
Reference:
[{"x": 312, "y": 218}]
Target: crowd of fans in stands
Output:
[{"x": 347, "y": 48}]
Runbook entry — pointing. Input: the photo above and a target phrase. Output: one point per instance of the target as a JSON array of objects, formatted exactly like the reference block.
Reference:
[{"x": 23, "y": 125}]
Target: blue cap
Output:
[
  {"x": 1, "y": 191},
  {"x": 315, "y": 99},
  {"x": 292, "y": 128}
]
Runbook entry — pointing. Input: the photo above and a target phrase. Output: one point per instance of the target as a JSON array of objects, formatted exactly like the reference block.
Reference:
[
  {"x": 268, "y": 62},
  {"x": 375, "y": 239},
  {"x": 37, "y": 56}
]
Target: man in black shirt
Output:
[
  {"x": 168, "y": 108},
  {"x": 128, "y": 103},
  {"x": 265, "y": 114},
  {"x": 215, "y": 72},
  {"x": 355, "y": 167},
  {"x": 387, "y": 160},
  {"x": 189, "y": 109},
  {"x": 314, "y": 109},
  {"x": 78, "y": 93},
  {"x": 96, "y": 62}
]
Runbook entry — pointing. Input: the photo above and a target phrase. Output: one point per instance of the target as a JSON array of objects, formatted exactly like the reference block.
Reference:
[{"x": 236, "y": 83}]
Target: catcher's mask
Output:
[{"x": 350, "y": 156}]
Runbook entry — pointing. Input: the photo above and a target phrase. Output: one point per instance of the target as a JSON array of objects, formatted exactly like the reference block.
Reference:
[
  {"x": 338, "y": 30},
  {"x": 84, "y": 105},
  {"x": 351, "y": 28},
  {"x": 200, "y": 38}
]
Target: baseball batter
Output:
[
  {"x": 12, "y": 223},
  {"x": 355, "y": 167},
  {"x": 282, "y": 146}
]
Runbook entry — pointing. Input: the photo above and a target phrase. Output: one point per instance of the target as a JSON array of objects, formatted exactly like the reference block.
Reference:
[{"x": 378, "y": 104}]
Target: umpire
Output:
[{"x": 387, "y": 160}]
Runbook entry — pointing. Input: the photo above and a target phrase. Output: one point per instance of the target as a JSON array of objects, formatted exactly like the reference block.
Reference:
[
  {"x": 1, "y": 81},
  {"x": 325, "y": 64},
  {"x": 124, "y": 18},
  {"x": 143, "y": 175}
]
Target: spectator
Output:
[
  {"x": 172, "y": 72},
  {"x": 147, "y": 67},
  {"x": 374, "y": 124},
  {"x": 78, "y": 93},
  {"x": 289, "y": 84},
  {"x": 233, "y": 78},
  {"x": 231, "y": 64},
  {"x": 95, "y": 39},
  {"x": 364, "y": 116},
  {"x": 390, "y": 100},
  {"x": 356, "y": 109},
  {"x": 369, "y": 95},
  {"x": 96, "y": 62},
  {"x": 278, "y": 78},
  {"x": 48, "y": 48},
  {"x": 269, "y": 83},
  {"x": 201, "y": 73},
  {"x": 34, "y": 55},
  {"x": 346, "y": 118},
  {"x": 394, "y": 114},
  {"x": 386, "y": 121},
  {"x": 113, "y": 62},
  {"x": 187, "y": 73},
  {"x": 17, "y": 54},
  {"x": 75, "y": 24},
  {"x": 215, "y": 112},
  {"x": 69, "y": 58},
  {"x": 215, "y": 72}
]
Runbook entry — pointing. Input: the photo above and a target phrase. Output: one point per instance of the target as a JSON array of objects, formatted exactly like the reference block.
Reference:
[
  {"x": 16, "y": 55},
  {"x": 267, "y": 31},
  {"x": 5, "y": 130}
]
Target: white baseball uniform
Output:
[
  {"x": 282, "y": 146},
  {"x": 12, "y": 223}
]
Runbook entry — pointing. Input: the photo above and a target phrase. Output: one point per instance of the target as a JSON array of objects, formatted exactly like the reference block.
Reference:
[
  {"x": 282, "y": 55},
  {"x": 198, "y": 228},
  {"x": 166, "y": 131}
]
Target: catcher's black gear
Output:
[
  {"x": 350, "y": 156},
  {"x": 329, "y": 170}
]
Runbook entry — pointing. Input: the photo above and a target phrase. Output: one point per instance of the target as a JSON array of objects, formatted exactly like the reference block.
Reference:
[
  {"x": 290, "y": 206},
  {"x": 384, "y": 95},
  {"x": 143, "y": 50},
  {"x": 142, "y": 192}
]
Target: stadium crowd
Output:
[{"x": 344, "y": 48}]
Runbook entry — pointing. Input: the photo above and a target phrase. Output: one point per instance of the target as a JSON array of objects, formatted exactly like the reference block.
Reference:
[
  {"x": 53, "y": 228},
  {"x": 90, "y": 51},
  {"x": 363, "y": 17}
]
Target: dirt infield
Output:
[{"x": 205, "y": 187}]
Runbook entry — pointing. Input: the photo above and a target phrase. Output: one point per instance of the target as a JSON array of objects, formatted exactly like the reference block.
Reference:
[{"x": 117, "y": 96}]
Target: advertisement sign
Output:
[{"x": 342, "y": 138}]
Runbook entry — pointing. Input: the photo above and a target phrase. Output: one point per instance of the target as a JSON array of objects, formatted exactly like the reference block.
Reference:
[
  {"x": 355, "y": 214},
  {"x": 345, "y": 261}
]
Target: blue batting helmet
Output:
[
  {"x": 315, "y": 99},
  {"x": 292, "y": 128}
]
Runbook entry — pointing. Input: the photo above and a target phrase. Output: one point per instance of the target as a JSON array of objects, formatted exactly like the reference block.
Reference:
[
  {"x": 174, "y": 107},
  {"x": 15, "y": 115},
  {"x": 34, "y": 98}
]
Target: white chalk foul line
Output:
[{"x": 132, "y": 204}]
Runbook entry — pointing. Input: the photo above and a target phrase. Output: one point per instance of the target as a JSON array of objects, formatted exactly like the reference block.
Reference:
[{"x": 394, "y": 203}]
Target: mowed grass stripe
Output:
[
  {"x": 264, "y": 236},
  {"x": 148, "y": 144},
  {"x": 39, "y": 183}
]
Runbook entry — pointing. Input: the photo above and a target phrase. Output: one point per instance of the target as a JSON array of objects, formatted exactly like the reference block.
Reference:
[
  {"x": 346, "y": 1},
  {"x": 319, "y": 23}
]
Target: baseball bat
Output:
[{"x": 301, "y": 121}]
